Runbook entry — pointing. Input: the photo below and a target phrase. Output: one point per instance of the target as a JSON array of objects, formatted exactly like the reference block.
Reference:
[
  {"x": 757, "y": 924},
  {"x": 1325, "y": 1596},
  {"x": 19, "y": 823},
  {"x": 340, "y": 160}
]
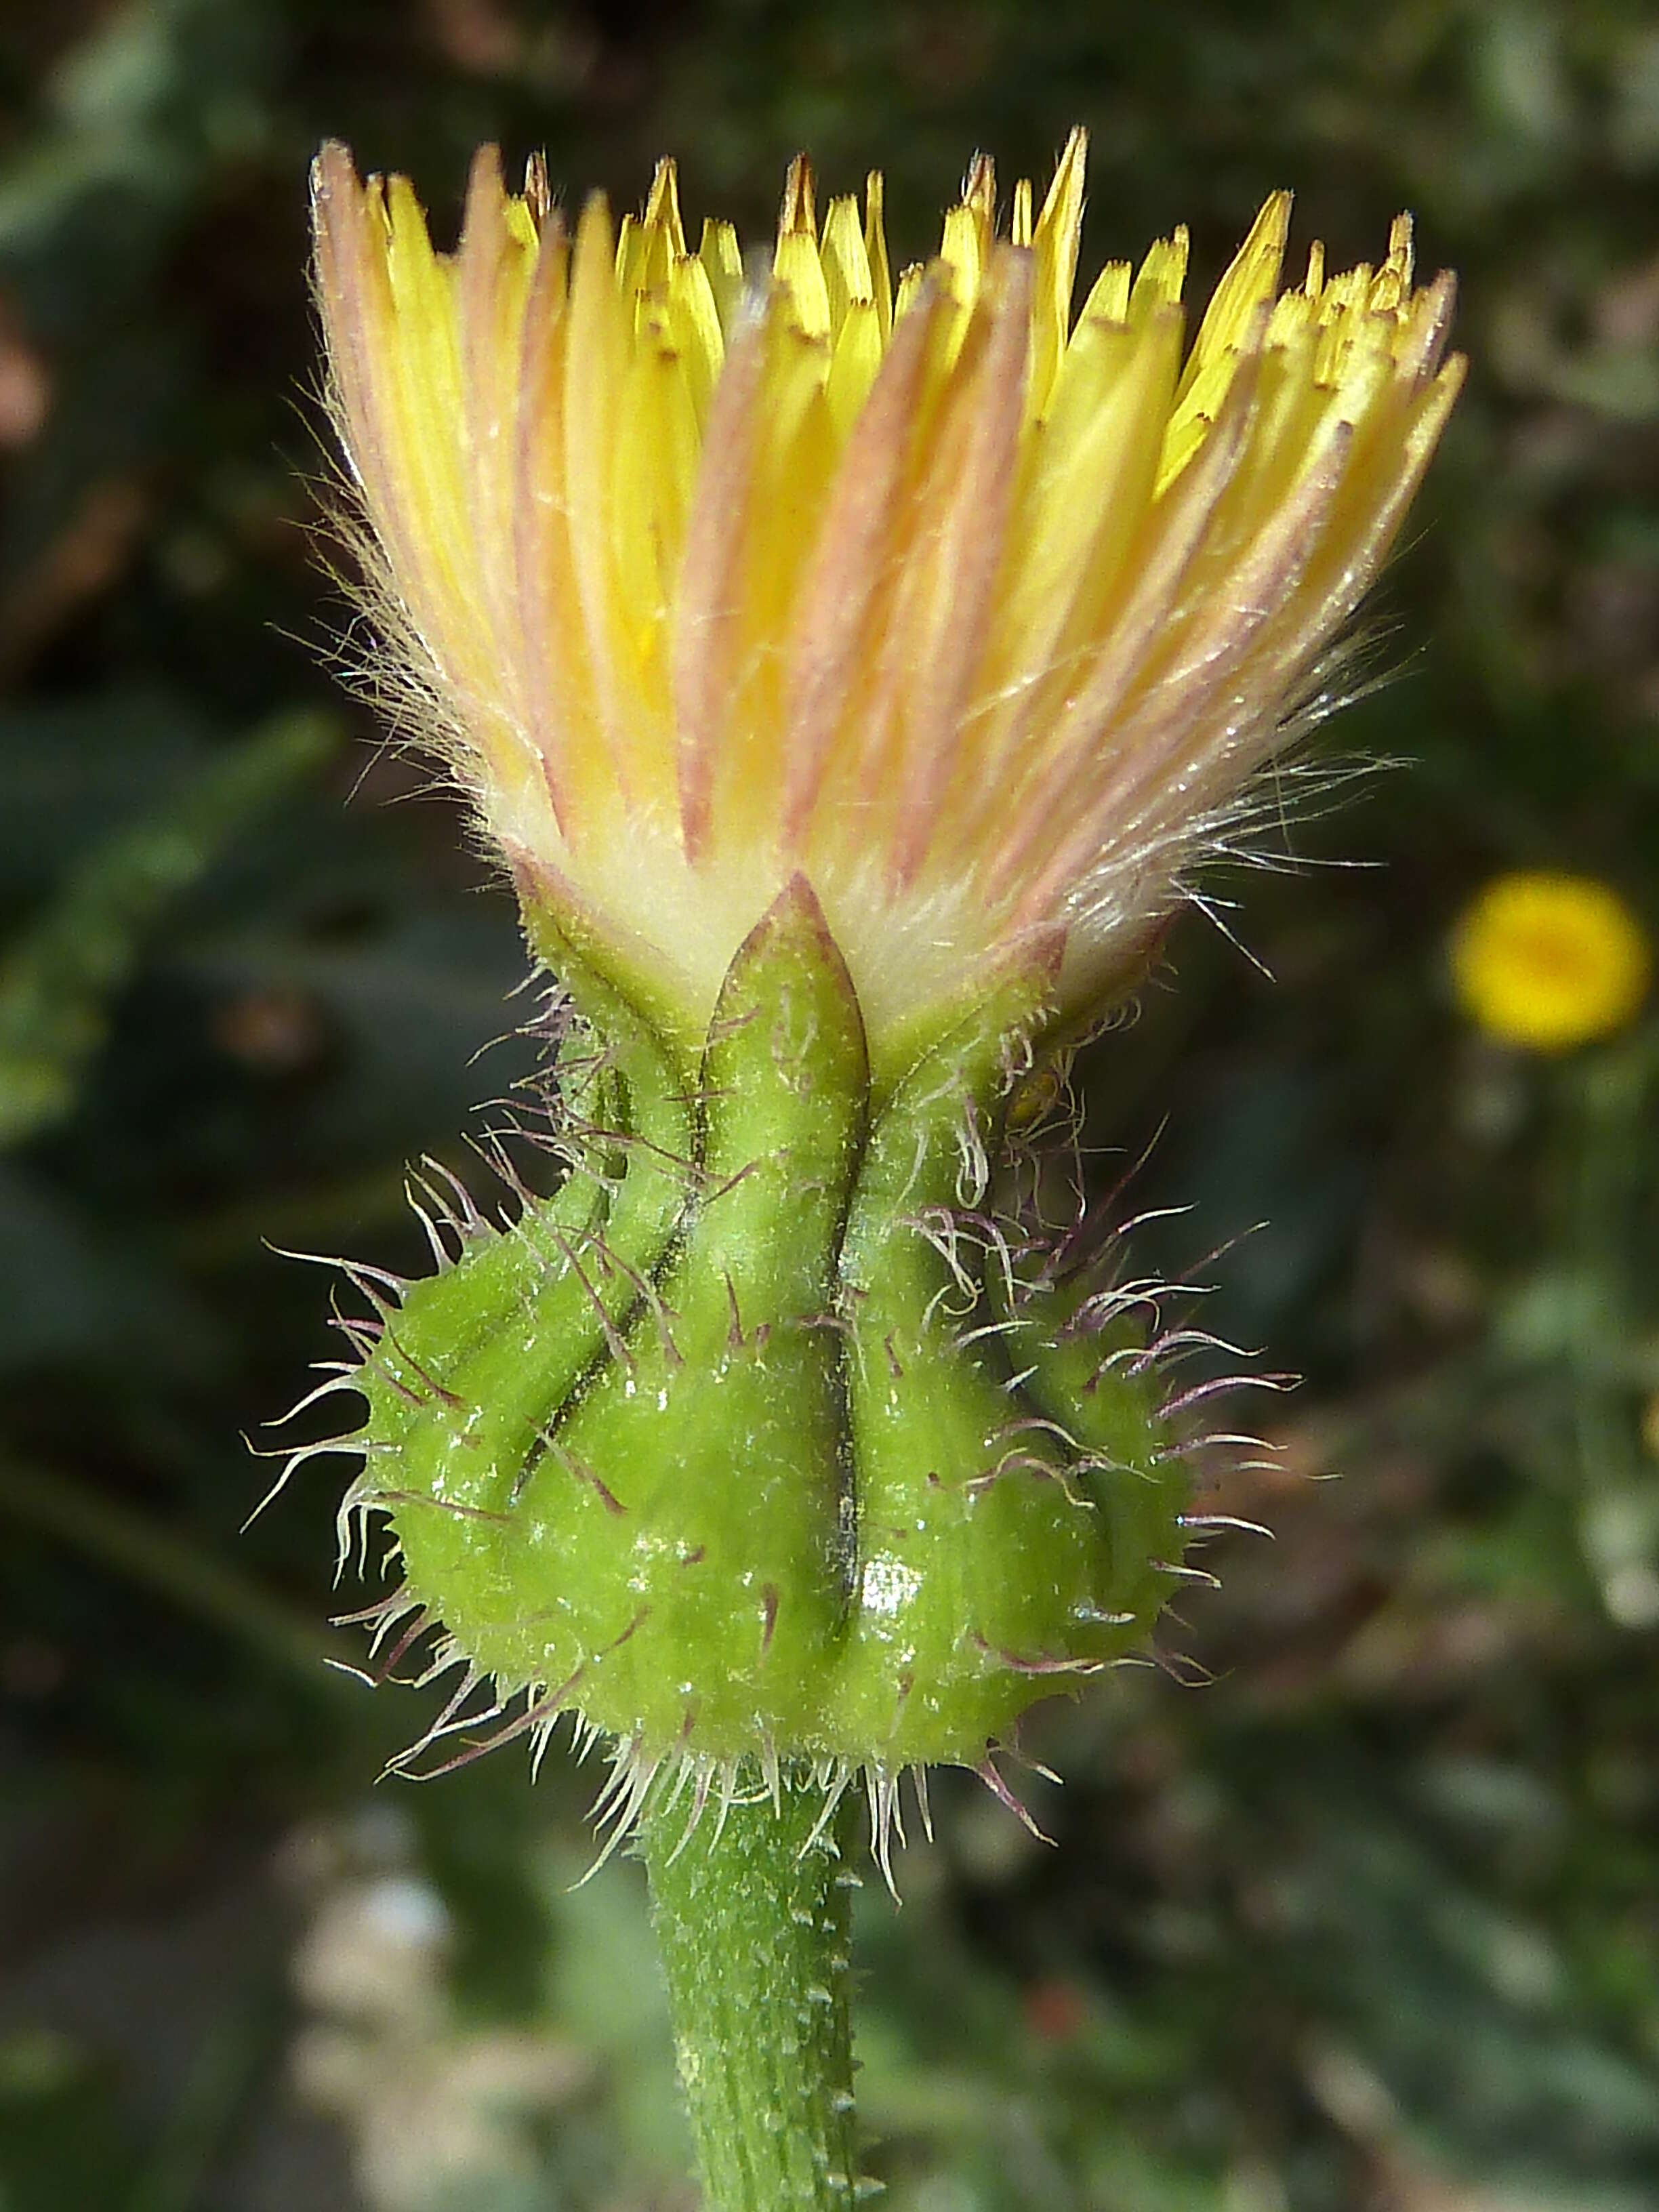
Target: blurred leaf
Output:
[
  {"x": 56, "y": 985},
  {"x": 62, "y": 2142}
]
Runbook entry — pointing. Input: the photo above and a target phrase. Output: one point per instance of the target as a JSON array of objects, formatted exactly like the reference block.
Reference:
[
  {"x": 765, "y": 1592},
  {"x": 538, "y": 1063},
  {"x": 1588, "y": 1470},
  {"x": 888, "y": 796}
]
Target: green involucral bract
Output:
[{"x": 760, "y": 1438}]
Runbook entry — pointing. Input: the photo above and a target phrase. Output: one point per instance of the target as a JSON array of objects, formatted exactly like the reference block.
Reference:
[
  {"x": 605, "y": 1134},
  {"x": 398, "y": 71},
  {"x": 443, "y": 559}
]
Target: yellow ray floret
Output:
[{"x": 978, "y": 611}]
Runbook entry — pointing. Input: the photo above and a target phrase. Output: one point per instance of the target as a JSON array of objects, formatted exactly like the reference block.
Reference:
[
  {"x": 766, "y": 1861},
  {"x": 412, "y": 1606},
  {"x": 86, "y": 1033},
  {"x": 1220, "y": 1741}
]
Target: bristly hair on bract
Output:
[{"x": 1031, "y": 1215}]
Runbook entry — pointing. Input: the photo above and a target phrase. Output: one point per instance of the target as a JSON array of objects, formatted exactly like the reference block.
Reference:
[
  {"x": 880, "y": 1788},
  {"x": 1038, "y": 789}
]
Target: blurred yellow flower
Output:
[
  {"x": 1550, "y": 961},
  {"x": 978, "y": 615}
]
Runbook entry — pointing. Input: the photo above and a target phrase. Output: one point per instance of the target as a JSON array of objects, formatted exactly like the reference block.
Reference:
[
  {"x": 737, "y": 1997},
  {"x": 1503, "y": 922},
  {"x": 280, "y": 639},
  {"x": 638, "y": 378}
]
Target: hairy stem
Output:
[{"x": 752, "y": 1921}]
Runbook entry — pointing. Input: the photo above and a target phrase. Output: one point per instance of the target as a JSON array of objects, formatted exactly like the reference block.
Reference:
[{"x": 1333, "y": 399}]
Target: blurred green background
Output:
[{"x": 1357, "y": 1904}]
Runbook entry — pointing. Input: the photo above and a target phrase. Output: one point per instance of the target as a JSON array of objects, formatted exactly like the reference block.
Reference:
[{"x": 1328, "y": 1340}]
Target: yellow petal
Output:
[
  {"x": 1054, "y": 241},
  {"x": 981, "y": 619}
]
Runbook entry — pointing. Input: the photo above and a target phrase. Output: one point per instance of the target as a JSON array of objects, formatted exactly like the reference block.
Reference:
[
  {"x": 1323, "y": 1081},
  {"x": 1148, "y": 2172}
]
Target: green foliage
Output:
[
  {"x": 58, "y": 979},
  {"x": 1370, "y": 1919}
]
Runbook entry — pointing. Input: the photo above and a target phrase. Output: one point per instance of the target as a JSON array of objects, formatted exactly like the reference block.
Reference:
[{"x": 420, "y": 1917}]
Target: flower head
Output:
[
  {"x": 1550, "y": 961},
  {"x": 976, "y": 612},
  {"x": 848, "y": 670}
]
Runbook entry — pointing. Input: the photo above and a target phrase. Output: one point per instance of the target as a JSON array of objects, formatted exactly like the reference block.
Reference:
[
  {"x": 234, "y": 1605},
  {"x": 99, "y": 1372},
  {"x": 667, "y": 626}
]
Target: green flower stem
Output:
[
  {"x": 768, "y": 1437},
  {"x": 752, "y": 1914}
]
